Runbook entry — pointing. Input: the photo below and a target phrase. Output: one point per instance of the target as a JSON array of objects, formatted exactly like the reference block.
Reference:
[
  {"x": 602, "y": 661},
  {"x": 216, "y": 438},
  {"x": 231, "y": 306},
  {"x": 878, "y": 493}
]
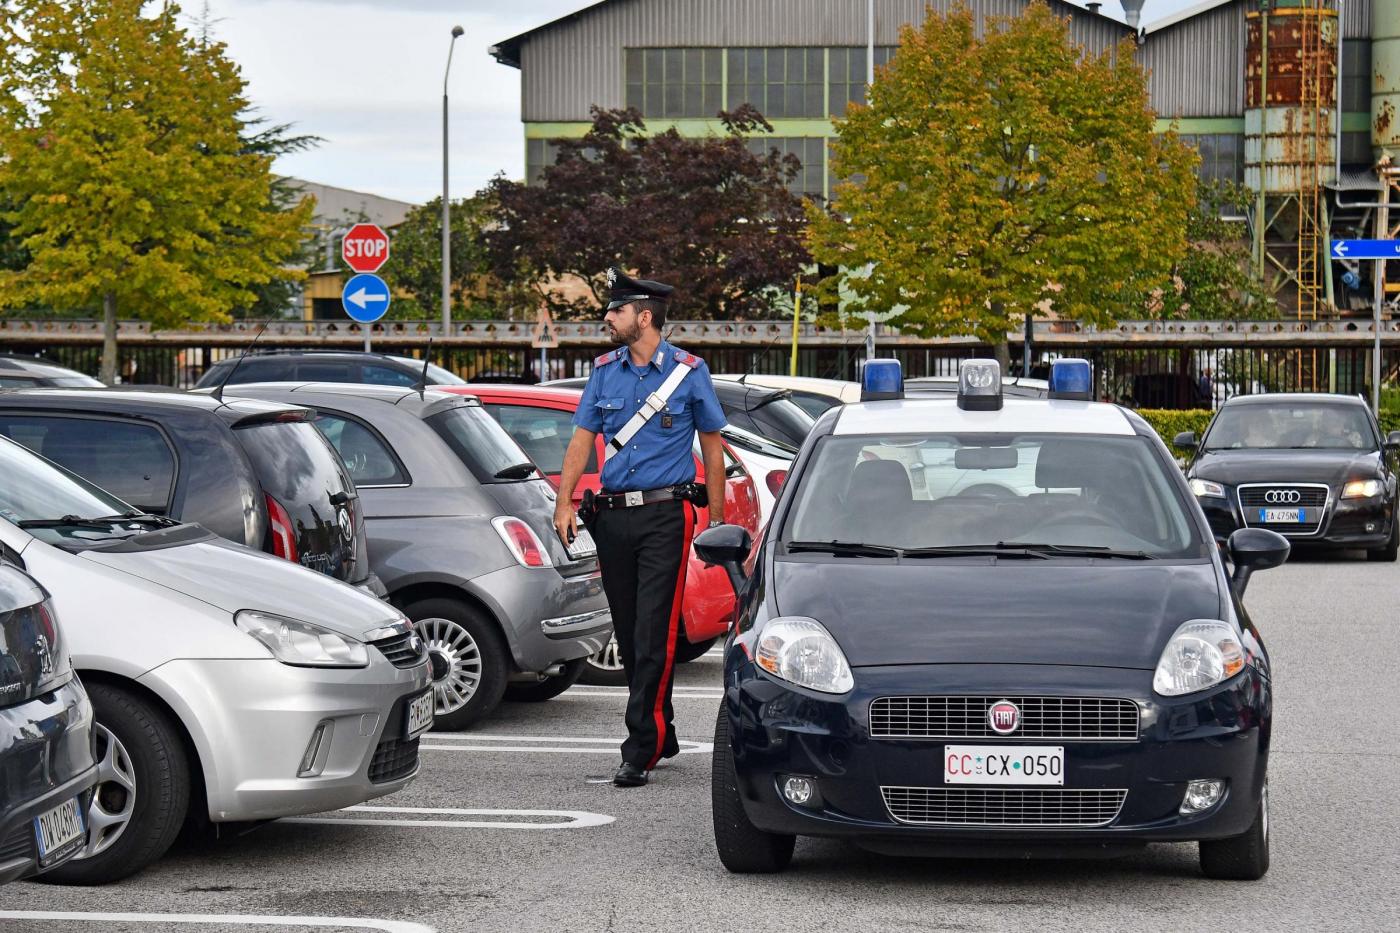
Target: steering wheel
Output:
[{"x": 986, "y": 491}]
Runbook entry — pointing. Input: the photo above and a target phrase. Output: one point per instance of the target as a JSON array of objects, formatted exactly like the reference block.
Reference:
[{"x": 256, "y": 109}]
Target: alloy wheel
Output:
[
  {"x": 114, "y": 798},
  {"x": 610, "y": 658},
  {"x": 460, "y": 655}
]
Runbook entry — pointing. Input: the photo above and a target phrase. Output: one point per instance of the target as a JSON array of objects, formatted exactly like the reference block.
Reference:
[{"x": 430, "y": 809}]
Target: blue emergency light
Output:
[
  {"x": 881, "y": 379},
  {"x": 1072, "y": 379},
  {"x": 979, "y": 385}
]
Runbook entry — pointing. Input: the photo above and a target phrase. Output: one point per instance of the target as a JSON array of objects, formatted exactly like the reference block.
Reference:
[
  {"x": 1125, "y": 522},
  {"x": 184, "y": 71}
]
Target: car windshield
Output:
[
  {"x": 1292, "y": 426},
  {"x": 482, "y": 445},
  {"x": 55, "y": 505},
  {"x": 782, "y": 420},
  {"x": 1044, "y": 494}
]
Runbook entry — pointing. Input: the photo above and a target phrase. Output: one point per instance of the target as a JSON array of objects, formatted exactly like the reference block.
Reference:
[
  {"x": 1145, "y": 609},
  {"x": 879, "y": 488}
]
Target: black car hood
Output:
[
  {"x": 1332, "y": 467},
  {"x": 1098, "y": 614}
]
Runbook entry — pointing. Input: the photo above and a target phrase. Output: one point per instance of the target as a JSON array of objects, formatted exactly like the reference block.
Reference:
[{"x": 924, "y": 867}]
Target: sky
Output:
[{"x": 367, "y": 77}]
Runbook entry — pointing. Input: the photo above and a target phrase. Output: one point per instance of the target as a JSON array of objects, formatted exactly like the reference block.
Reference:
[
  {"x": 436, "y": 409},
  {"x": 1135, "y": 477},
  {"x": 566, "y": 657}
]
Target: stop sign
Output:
[{"x": 365, "y": 248}]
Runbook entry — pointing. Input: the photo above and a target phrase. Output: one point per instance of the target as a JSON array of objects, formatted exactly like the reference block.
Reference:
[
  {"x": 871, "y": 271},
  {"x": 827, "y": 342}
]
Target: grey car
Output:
[{"x": 461, "y": 534}]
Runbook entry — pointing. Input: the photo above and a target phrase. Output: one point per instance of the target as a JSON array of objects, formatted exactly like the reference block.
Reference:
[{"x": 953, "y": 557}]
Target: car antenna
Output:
[
  {"x": 218, "y": 393},
  {"x": 753, "y": 360},
  {"x": 422, "y": 384}
]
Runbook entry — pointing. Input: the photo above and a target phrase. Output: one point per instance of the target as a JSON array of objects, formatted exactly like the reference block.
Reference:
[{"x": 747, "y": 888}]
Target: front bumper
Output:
[
  {"x": 253, "y": 720},
  {"x": 778, "y": 730},
  {"x": 549, "y": 618},
  {"x": 1343, "y": 526}
]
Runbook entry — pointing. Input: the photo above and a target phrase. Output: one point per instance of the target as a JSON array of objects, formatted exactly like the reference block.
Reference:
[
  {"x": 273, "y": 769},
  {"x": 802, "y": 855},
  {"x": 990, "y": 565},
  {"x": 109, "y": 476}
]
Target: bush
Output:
[{"x": 1168, "y": 423}]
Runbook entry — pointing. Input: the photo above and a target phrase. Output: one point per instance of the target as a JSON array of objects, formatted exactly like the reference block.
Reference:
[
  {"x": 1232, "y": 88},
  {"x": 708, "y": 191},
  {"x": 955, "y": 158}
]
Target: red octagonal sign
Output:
[{"x": 365, "y": 248}]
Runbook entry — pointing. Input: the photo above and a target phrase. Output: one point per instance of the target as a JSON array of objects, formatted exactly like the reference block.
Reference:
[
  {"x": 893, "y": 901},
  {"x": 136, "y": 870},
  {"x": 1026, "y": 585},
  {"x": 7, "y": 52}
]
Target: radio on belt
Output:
[
  {"x": 880, "y": 380},
  {"x": 979, "y": 385},
  {"x": 1072, "y": 378}
]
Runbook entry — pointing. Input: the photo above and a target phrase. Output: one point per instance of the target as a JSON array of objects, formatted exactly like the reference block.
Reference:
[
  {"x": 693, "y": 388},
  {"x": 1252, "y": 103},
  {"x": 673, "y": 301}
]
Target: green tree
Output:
[
  {"x": 124, "y": 151},
  {"x": 996, "y": 175},
  {"x": 1215, "y": 280},
  {"x": 414, "y": 270}
]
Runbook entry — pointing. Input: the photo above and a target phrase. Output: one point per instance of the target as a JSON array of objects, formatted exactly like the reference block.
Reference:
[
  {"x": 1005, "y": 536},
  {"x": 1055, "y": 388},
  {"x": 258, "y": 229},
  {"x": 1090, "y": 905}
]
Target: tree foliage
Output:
[
  {"x": 705, "y": 214},
  {"x": 415, "y": 270},
  {"x": 996, "y": 174},
  {"x": 1215, "y": 280}
]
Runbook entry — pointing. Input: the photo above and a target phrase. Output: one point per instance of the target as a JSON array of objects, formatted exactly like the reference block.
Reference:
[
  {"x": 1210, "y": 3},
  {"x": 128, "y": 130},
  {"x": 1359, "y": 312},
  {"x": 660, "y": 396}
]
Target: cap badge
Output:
[{"x": 612, "y": 277}]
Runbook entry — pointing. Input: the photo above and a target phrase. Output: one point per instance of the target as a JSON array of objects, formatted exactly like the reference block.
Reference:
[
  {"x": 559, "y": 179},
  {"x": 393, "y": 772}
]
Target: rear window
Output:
[
  {"x": 781, "y": 419},
  {"x": 253, "y": 371},
  {"x": 543, "y": 432},
  {"x": 480, "y": 443},
  {"x": 295, "y": 464}
]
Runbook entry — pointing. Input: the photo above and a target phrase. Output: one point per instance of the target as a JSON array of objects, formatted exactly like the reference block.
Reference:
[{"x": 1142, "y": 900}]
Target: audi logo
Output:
[{"x": 1283, "y": 496}]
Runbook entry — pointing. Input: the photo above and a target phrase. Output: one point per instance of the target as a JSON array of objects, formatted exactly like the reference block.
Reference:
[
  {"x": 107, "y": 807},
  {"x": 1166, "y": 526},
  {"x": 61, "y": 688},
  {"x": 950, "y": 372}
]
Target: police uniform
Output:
[{"x": 643, "y": 545}]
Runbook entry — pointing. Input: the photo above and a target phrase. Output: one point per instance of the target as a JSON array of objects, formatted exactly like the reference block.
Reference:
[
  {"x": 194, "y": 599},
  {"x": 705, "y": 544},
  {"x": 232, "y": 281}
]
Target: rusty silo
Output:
[{"x": 1385, "y": 93}]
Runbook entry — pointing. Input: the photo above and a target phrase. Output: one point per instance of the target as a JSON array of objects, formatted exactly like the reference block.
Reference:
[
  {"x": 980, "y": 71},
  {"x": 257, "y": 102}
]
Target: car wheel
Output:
[
  {"x": 1391, "y": 550},
  {"x": 604, "y": 669},
  {"x": 468, "y": 659},
  {"x": 743, "y": 847},
  {"x": 547, "y": 688},
  {"x": 687, "y": 651},
  {"x": 1240, "y": 858},
  {"x": 142, "y": 793}
]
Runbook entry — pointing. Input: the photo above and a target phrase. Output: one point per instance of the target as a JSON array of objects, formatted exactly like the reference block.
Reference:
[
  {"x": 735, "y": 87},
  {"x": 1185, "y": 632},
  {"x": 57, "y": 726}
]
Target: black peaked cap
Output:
[{"x": 622, "y": 288}]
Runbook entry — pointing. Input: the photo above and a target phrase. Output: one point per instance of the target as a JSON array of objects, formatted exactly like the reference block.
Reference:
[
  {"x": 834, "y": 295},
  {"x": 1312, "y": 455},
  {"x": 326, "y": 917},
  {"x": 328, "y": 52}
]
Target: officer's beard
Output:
[{"x": 625, "y": 337}]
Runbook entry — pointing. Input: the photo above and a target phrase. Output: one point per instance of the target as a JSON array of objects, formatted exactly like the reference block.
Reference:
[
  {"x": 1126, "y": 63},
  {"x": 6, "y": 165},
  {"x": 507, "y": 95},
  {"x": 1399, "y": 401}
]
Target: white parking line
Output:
[
  {"x": 356, "y": 923},
  {"x": 549, "y": 744},
  {"x": 680, "y": 693},
  {"x": 563, "y": 819}
]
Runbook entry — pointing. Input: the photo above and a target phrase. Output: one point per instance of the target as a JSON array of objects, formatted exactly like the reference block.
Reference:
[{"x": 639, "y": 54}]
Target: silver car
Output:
[
  {"x": 461, "y": 534},
  {"x": 227, "y": 684}
]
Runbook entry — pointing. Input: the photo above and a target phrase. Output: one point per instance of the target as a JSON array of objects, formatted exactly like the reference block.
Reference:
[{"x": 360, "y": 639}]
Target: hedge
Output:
[{"x": 1169, "y": 423}]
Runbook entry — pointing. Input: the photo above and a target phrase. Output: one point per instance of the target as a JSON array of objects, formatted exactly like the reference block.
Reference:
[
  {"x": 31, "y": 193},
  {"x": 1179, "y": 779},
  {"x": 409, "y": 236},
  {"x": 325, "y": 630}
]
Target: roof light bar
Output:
[
  {"x": 979, "y": 385},
  {"x": 881, "y": 379},
  {"x": 1072, "y": 379}
]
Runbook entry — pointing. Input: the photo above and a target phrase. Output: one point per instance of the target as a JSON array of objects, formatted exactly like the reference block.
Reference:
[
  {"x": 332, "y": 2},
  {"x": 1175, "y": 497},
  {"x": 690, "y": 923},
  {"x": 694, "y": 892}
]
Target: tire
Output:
[
  {"x": 743, "y": 848},
  {"x": 689, "y": 651},
  {"x": 1391, "y": 550},
  {"x": 1244, "y": 857},
  {"x": 143, "y": 790},
  {"x": 469, "y": 660},
  {"x": 549, "y": 687},
  {"x": 604, "y": 669}
]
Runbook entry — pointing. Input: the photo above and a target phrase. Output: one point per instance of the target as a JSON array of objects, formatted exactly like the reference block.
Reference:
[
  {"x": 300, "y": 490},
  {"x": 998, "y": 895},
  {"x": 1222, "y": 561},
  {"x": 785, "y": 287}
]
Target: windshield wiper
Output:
[
  {"x": 69, "y": 521},
  {"x": 139, "y": 518},
  {"x": 1079, "y": 550},
  {"x": 516, "y": 471},
  {"x": 999, "y": 549},
  {"x": 844, "y": 548}
]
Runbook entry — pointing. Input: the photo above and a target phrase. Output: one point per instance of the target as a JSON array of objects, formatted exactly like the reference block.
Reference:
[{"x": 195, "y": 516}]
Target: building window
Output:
[
  {"x": 1222, "y": 155},
  {"x": 846, "y": 75},
  {"x": 780, "y": 83},
  {"x": 539, "y": 154},
  {"x": 675, "y": 83},
  {"x": 1356, "y": 76},
  {"x": 810, "y": 151}
]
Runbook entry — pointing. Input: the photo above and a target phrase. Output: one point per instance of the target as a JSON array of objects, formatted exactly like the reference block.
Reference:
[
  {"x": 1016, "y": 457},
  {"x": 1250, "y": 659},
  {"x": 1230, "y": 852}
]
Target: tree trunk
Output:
[
  {"x": 1002, "y": 349},
  {"x": 109, "y": 339}
]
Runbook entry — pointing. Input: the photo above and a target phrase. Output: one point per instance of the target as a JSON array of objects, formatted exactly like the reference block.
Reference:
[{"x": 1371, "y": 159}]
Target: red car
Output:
[{"x": 541, "y": 421}]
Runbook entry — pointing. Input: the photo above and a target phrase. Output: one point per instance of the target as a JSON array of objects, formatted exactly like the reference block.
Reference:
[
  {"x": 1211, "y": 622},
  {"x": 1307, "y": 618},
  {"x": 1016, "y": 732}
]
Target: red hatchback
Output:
[{"x": 541, "y": 421}]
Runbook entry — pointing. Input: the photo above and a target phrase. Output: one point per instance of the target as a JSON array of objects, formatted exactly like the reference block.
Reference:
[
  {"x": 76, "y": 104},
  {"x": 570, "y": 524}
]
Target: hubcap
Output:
[
  {"x": 609, "y": 659},
  {"x": 114, "y": 798},
  {"x": 456, "y": 663},
  {"x": 1264, "y": 810}
]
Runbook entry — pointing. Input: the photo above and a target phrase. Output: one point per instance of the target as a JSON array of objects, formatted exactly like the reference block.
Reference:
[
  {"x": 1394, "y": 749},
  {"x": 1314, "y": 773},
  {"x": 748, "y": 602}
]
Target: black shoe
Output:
[{"x": 629, "y": 775}]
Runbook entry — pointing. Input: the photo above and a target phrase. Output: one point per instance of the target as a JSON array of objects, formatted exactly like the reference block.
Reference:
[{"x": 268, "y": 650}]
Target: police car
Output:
[{"x": 991, "y": 626}]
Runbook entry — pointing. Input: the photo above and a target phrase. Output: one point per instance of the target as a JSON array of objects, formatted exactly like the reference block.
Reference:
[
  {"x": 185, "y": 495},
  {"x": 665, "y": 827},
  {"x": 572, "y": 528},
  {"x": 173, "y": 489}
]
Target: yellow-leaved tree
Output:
[{"x": 124, "y": 163}]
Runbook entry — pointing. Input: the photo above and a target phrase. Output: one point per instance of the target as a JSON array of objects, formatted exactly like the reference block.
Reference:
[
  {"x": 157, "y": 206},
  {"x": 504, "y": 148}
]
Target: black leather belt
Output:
[{"x": 628, "y": 500}]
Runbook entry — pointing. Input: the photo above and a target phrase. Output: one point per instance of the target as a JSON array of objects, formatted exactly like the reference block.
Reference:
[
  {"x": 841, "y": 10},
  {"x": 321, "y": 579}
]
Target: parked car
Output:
[
  {"x": 1313, "y": 467},
  {"x": 462, "y": 535},
  {"x": 541, "y": 421},
  {"x": 812, "y": 395},
  {"x": 228, "y": 685},
  {"x": 947, "y": 386},
  {"x": 28, "y": 372},
  {"x": 325, "y": 366},
  {"x": 767, "y": 461},
  {"x": 256, "y": 473},
  {"x": 45, "y": 734}
]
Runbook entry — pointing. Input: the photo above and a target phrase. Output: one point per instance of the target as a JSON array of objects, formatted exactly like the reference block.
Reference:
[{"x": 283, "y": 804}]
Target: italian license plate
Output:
[
  {"x": 60, "y": 832},
  {"x": 1283, "y": 516},
  {"x": 420, "y": 715},
  {"x": 1004, "y": 764},
  {"x": 583, "y": 545}
]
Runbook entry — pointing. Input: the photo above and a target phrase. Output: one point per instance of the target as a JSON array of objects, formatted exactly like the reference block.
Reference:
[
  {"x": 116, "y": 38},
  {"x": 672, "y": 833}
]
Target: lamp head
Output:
[{"x": 457, "y": 31}]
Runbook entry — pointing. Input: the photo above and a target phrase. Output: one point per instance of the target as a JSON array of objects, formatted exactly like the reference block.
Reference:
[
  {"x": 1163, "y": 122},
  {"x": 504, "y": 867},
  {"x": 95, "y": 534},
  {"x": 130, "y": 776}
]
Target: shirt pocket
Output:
[{"x": 612, "y": 413}]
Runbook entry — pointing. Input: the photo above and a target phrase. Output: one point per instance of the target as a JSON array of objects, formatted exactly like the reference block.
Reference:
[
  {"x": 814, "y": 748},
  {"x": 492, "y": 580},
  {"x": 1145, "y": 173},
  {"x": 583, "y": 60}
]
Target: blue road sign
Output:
[
  {"x": 1366, "y": 249},
  {"x": 365, "y": 298}
]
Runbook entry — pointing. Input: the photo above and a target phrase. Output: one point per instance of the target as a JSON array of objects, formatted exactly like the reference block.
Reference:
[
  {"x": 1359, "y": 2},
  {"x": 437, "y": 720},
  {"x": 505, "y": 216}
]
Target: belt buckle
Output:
[{"x": 630, "y": 499}]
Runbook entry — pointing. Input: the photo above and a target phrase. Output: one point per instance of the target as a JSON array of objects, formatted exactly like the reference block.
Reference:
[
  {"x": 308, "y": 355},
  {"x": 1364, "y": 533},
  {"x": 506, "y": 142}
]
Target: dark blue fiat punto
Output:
[{"x": 997, "y": 627}]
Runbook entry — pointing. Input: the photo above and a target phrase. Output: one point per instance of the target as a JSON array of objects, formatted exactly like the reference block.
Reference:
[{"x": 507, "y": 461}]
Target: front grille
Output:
[
  {"x": 18, "y": 844},
  {"x": 1312, "y": 498},
  {"x": 405, "y": 650},
  {"x": 393, "y": 759},
  {"x": 975, "y": 806},
  {"x": 1071, "y": 719}
]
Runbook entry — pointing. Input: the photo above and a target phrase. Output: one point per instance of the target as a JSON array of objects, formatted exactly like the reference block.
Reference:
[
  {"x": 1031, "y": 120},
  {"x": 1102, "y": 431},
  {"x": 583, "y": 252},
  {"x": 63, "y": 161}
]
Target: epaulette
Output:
[
  {"x": 687, "y": 359},
  {"x": 608, "y": 357}
]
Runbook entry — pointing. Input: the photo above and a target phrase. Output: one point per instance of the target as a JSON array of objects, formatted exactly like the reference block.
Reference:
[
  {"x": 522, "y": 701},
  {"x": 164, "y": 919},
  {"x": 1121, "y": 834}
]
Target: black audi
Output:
[
  {"x": 1312, "y": 467},
  {"x": 977, "y": 627}
]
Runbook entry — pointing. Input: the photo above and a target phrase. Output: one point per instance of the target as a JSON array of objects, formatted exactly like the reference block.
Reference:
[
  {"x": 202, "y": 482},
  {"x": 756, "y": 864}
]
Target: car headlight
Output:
[
  {"x": 1202, "y": 653},
  {"x": 801, "y": 651},
  {"x": 1204, "y": 487},
  {"x": 292, "y": 641},
  {"x": 1362, "y": 489}
]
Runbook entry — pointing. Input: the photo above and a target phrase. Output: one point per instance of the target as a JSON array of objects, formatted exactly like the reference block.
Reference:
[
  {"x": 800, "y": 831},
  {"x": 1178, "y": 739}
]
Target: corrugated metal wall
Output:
[{"x": 1196, "y": 68}]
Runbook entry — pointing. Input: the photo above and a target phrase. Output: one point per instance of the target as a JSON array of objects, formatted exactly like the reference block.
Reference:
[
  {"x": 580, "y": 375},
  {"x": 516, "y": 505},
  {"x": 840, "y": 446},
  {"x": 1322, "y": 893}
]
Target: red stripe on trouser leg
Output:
[{"x": 672, "y": 631}]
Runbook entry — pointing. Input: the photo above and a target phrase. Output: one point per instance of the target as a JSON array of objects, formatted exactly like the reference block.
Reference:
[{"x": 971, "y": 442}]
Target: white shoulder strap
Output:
[{"x": 650, "y": 406}]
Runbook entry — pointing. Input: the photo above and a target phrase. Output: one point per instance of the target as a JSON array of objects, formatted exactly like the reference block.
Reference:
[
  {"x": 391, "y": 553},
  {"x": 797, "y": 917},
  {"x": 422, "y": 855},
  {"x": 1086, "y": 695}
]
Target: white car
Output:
[
  {"x": 767, "y": 461},
  {"x": 227, "y": 684},
  {"x": 813, "y": 395}
]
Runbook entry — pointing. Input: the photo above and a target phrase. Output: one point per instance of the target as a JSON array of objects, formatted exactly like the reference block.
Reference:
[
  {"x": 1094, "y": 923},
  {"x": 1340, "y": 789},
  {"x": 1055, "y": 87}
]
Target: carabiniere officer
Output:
[{"x": 648, "y": 399}]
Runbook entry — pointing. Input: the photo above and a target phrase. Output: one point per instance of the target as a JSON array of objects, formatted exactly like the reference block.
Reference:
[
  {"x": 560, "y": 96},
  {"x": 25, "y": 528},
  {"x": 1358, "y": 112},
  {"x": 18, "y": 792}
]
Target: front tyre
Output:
[
  {"x": 743, "y": 848},
  {"x": 468, "y": 658},
  {"x": 1391, "y": 550},
  {"x": 687, "y": 651},
  {"x": 1244, "y": 857}
]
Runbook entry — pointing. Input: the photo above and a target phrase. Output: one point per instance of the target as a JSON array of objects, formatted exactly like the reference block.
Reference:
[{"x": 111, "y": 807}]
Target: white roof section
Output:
[
  {"x": 831, "y": 388},
  {"x": 1017, "y": 416},
  {"x": 1180, "y": 16}
]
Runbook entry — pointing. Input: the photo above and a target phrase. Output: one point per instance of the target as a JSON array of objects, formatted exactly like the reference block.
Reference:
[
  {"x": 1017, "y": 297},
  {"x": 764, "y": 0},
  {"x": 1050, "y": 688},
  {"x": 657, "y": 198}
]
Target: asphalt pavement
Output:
[{"x": 511, "y": 828}]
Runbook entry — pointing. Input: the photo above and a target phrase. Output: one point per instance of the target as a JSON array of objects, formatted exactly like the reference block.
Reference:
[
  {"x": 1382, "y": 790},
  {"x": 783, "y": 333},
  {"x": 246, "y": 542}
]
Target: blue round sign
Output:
[{"x": 365, "y": 298}]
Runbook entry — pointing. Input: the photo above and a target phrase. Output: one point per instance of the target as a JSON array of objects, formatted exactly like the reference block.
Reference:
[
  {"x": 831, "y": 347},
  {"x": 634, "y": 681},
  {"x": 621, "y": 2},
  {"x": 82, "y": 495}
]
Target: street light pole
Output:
[{"x": 446, "y": 210}]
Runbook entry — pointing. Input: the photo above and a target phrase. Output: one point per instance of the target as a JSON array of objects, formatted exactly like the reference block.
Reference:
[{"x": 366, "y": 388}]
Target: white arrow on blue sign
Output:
[
  {"x": 1366, "y": 249},
  {"x": 365, "y": 298}
]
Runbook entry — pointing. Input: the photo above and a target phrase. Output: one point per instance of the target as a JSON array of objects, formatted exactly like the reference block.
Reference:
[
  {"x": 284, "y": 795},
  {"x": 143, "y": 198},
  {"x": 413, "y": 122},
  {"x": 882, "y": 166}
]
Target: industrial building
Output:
[{"x": 1295, "y": 98}]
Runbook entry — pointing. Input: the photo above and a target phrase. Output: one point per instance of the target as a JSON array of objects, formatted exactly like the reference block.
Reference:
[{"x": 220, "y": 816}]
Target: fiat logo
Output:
[
  {"x": 1004, "y": 717},
  {"x": 1283, "y": 496}
]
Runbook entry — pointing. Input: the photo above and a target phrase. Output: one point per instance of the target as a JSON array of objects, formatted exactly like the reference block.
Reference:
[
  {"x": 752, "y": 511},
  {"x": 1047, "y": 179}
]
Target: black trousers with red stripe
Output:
[{"x": 642, "y": 552}]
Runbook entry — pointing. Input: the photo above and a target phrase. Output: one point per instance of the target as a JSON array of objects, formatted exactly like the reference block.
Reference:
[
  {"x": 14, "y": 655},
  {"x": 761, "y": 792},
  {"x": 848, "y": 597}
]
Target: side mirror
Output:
[
  {"x": 1254, "y": 549},
  {"x": 1186, "y": 440},
  {"x": 727, "y": 546},
  {"x": 1392, "y": 441}
]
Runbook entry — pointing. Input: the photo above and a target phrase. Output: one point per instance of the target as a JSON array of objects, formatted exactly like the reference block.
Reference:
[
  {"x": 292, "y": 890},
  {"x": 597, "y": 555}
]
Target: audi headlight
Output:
[
  {"x": 1202, "y": 653},
  {"x": 1204, "y": 487},
  {"x": 1362, "y": 489},
  {"x": 801, "y": 651},
  {"x": 292, "y": 641}
]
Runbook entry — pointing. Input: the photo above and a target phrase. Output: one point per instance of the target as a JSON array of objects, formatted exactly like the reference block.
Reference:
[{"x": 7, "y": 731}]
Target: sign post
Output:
[
  {"x": 1380, "y": 251},
  {"x": 365, "y": 248},
  {"x": 544, "y": 336}
]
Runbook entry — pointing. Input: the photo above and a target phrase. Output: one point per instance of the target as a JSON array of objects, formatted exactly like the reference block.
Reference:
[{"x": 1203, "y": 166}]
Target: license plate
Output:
[
  {"x": 1283, "y": 516},
  {"x": 1004, "y": 764},
  {"x": 60, "y": 831},
  {"x": 420, "y": 715},
  {"x": 583, "y": 545}
]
